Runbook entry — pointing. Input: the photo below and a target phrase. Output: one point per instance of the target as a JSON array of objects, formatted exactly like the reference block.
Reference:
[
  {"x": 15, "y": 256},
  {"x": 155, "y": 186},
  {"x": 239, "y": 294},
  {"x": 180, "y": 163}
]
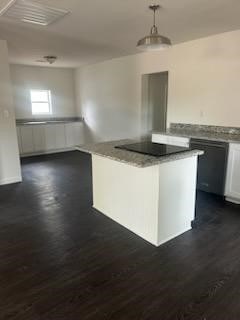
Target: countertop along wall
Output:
[
  {"x": 59, "y": 80},
  {"x": 204, "y": 87}
]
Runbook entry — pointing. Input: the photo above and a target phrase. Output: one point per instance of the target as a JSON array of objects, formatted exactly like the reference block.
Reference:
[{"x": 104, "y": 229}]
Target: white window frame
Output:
[{"x": 49, "y": 101}]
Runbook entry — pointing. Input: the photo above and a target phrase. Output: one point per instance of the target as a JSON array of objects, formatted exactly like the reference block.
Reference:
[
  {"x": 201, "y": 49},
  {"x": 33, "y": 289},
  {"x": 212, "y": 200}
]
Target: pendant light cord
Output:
[
  {"x": 154, "y": 17},
  {"x": 154, "y": 8}
]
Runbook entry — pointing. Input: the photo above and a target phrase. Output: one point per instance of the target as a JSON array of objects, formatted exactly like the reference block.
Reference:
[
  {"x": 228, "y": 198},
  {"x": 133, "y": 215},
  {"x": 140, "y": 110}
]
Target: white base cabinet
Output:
[
  {"x": 232, "y": 189},
  {"x": 73, "y": 134},
  {"x": 60, "y": 136},
  {"x": 26, "y": 137},
  {"x": 48, "y": 138},
  {"x": 39, "y": 141}
]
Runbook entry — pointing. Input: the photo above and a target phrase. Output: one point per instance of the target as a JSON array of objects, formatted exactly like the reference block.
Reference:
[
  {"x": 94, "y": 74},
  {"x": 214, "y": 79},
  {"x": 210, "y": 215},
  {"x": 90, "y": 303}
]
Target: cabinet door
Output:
[
  {"x": 50, "y": 137},
  {"x": 19, "y": 139},
  {"x": 60, "y": 136},
  {"x": 39, "y": 138},
  {"x": 70, "y": 135},
  {"x": 27, "y": 139},
  {"x": 74, "y": 134},
  {"x": 78, "y": 133},
  {"x": 233, "y": 172}
]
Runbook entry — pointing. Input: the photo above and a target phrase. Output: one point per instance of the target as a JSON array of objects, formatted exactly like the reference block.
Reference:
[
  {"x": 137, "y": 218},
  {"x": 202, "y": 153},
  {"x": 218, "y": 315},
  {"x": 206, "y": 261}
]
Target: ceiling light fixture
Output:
[
  {"x": 154, "y": 41},
  {"x": 50, "y": 59}
]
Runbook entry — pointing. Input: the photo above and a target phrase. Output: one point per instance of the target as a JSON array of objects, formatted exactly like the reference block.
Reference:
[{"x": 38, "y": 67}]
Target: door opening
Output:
[{"x": 154, "y": 102}]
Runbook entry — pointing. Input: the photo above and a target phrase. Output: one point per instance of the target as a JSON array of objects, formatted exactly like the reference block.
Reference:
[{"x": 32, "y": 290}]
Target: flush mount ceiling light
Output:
[
  {"x": 154, "y": 41},
  {"x": 32, "y": 12},
  {"x": 50, "y": 59}
]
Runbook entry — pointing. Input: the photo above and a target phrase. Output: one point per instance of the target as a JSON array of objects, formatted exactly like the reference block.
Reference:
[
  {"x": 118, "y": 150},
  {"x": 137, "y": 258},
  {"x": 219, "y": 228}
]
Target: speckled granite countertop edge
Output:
[
  {"x": 108, "y": 150},
  {"x": 221, "y": 137}
]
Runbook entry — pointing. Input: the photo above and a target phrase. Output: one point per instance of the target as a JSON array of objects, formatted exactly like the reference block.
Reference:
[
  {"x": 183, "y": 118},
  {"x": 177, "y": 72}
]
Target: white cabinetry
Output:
[
  {"x": 73, "y": 134},
  {"x": 50, "y": 137},
  {"x": 55, "y": 136},
  {"x": 232, "y": 189},
  {"x": 46, "y": 138},
  {"x": 27, "y": 139},
  {"x": 38, "y": 138},
  {"x": 172, "y": 140},
  {"x": 60, "y": 137},
  {"x": 70, "y": 135}
]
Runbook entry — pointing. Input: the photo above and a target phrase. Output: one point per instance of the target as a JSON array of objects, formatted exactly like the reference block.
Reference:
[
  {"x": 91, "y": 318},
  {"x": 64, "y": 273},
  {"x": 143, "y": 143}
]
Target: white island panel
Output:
[
  {"x": 127, "y": 194},
  {"x": 157, "y": 203},
  {"x": 177, "y": 197}
]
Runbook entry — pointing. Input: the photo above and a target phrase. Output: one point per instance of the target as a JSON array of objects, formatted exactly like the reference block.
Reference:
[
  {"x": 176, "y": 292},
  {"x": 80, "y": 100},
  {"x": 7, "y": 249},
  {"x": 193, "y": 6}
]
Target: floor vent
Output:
[{"x": 32, "y": 12}]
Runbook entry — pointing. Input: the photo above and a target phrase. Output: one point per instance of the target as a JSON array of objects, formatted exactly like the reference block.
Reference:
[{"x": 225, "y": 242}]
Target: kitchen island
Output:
[{"x": 154, "y": 197}]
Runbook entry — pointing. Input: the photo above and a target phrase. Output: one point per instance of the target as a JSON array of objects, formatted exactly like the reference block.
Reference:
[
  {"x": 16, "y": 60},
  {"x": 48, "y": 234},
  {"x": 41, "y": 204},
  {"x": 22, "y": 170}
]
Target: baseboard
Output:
[
  {"x": 173, "y": 236},
  {"x": 124, "y": 226},
  {"x": 39, "y": 153},
  {"x": 154, "y": 243},
  {"x": 195, "y": 223},
  {"x": 78, "y": 148},
  {"x": 10, "y": 180},
  {"x": 233, "y": 200}
]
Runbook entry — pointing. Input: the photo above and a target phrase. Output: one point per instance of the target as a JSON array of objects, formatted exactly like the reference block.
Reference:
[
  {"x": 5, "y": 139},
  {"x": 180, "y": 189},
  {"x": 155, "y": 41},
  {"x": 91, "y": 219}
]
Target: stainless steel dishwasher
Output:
[{"x": 212, "y": 165}]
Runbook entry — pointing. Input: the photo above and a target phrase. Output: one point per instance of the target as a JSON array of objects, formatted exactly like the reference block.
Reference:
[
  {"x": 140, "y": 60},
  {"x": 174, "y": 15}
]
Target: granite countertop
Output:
[
  {"x": 212, "y": 136},
  {"x": 42, "y": 121},
  {"x": 108, "y": 150}
]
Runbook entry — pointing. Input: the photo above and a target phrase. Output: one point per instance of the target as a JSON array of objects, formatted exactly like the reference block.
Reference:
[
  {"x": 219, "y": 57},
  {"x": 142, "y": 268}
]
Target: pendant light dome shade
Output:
[{"x": 154, "y": 41}]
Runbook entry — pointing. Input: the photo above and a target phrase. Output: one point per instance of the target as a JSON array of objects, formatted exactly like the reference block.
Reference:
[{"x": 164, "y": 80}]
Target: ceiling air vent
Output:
[{"x": 32, "y": 12}]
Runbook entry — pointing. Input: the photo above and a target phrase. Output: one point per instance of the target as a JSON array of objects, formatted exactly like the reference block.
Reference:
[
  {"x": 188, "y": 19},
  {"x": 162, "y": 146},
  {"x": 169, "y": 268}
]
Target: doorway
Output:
[{"x": 154, "y": 102}]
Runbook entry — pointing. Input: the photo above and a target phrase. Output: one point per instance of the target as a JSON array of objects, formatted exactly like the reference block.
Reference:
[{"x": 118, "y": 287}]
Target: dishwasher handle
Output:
[{"x": 209, "y": 143}]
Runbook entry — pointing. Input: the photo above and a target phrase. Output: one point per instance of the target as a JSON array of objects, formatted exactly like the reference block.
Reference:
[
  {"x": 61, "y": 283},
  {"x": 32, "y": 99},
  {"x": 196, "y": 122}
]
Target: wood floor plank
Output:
[{"x": 61, "y": 259}]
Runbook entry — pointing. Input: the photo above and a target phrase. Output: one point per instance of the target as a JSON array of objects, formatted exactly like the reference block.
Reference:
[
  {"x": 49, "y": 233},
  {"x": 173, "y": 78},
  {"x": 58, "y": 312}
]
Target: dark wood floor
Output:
[{"x": 61, "y": 260}]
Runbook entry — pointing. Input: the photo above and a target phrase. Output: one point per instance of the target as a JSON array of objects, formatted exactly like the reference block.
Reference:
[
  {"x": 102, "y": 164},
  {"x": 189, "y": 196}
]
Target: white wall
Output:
[
  {"x": 59, "y": 80},
  {"x": 204, "y": 87},
  {"x": 9, "y": 154},
  {"x": 107, "y": 92}
]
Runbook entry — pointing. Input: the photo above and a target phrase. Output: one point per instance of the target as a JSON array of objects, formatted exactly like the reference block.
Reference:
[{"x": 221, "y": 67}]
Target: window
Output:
[{"x": 41, "y": 102}]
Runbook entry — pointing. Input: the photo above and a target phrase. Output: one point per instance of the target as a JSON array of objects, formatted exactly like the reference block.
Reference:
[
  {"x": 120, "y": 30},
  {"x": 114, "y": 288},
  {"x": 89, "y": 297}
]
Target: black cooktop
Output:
[{"x": 153, "y": 149}]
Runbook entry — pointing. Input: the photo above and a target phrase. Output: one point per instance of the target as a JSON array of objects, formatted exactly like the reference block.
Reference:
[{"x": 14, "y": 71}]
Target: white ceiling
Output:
[{"x": 98, "y": 30}]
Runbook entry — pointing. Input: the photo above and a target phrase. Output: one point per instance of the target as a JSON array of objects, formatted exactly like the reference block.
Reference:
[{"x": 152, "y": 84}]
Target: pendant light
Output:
[{"x": 154, "y": 41}]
